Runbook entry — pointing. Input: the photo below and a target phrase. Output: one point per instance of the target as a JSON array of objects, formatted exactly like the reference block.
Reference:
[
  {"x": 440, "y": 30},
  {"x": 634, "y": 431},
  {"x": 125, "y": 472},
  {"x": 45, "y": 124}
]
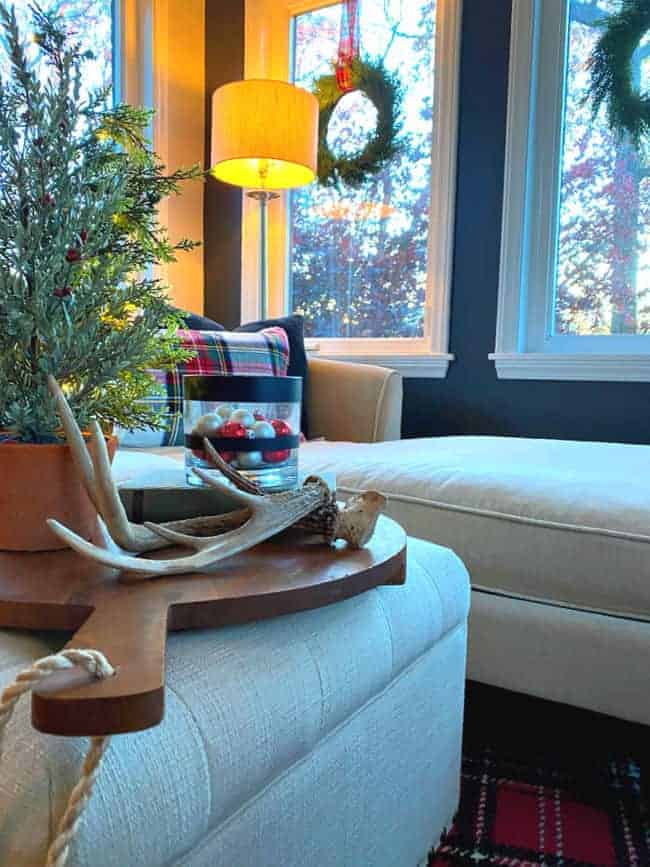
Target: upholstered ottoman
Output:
[{"x": 330, "y": 738}]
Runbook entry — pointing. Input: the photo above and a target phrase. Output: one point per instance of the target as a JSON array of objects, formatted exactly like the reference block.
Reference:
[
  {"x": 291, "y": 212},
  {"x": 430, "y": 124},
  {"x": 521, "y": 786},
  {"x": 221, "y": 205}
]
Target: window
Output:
[
  {"x": 367, "y": 268},
  {"x": 91, "y": 21},
  {"x": 574, "y": 297},
  {"x": 359, "y": 258},
  {"x": 148, "y": 49}
]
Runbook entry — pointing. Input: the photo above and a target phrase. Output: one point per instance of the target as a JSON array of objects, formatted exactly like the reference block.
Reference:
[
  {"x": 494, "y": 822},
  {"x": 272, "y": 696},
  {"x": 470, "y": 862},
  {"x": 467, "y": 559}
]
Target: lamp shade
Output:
[{"x": 264, "y": 134}]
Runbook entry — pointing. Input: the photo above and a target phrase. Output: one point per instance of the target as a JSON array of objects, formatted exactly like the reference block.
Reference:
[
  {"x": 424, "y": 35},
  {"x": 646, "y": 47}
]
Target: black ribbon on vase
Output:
[{"x": 244, "y": 444}]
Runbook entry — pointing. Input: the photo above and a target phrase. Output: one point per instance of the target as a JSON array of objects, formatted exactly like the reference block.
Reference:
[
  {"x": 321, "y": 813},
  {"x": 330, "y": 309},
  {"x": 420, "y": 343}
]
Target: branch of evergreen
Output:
[{"x": 79, "y": 194}]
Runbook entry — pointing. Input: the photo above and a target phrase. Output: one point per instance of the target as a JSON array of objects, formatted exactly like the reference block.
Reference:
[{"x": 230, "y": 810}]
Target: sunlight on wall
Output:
[{"x": 179, "y": 92}]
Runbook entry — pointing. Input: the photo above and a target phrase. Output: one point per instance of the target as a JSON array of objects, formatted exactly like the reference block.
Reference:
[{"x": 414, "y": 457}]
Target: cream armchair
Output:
[{"x": 353, "y": 402}]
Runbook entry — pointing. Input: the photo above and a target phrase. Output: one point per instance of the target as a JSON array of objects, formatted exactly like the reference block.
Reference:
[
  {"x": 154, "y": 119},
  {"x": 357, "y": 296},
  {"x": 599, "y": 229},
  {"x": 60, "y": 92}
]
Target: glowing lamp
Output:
[{"x": 264, "y": 138}]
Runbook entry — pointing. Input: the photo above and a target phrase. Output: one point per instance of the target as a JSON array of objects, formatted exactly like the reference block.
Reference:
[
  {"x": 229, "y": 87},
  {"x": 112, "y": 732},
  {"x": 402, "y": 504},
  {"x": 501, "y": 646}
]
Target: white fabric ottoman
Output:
[{"x": 329, "y": 738}]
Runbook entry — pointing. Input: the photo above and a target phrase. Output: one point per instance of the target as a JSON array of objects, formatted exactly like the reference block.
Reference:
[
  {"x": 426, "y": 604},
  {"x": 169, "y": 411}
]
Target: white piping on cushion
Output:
[
  {"x": 630, "y": 617},
  {"x": 505, "y": 516}
]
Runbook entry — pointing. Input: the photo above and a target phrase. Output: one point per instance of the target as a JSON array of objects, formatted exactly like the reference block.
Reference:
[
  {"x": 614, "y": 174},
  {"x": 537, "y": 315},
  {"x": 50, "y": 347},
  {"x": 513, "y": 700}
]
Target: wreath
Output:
[
  {"x": 628, "y": 111},
  {"x": 385, "y": 93}
]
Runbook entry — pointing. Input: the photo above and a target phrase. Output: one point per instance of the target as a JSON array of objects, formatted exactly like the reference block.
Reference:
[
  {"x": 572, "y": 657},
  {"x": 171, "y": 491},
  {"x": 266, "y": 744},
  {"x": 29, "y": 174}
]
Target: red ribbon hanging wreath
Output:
[{"x": 348, "y": 45}]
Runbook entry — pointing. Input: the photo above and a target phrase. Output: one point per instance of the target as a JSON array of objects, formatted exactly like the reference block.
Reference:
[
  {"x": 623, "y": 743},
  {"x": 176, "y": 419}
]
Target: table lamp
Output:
[{"x": 264, "y": 138}]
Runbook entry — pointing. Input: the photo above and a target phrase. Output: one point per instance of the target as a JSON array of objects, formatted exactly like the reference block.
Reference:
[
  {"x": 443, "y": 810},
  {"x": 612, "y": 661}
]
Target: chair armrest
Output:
[{"x": 354, "y": 402}]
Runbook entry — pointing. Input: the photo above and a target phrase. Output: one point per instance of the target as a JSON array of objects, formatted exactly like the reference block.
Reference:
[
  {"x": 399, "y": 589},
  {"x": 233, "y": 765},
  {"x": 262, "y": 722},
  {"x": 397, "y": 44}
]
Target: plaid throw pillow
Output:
[{"x": 265, "y": 353}]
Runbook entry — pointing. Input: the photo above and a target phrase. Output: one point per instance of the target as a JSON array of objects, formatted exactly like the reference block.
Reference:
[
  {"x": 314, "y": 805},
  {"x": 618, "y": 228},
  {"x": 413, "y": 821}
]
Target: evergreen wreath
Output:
[
  {"x": 384, "y": 91},
  {"x": 628, "y": 111}
]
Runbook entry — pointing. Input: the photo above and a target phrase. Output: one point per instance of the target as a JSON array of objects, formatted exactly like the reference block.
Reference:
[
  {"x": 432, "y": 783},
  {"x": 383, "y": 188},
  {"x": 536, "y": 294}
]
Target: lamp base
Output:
[{"x": 263, "y": 197}]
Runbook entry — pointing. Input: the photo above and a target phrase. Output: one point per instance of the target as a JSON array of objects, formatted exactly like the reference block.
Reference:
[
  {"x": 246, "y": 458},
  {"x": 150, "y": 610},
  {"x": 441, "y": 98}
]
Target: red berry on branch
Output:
[{"x": 73, "y": 255}]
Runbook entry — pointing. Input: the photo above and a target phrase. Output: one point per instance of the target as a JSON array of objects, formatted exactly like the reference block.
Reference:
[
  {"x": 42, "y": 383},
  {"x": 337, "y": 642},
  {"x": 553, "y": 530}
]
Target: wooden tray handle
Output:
[{"x": 134, "y": 643}]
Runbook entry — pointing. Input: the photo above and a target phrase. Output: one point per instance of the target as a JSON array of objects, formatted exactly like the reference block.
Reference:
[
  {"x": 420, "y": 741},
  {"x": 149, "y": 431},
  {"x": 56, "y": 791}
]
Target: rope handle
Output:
[{"x": 96, "y": 664}]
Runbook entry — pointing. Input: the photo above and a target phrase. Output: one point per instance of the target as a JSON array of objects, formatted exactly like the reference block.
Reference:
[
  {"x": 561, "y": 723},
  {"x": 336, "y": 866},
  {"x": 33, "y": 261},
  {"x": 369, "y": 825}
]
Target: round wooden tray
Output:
[{"x": 128, "y": 622}]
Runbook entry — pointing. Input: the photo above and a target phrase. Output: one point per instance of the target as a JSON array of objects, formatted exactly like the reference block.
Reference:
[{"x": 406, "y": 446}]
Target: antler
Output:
[
  {"x": 268, "y": 516},
  {"x": 354, "y": 523},
  {"x": 94, "y": 468},
  {"x": 261, "y": 516}
]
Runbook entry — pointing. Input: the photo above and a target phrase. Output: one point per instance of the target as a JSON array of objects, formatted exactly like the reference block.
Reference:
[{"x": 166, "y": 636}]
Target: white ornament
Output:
[
  {"x": 224, "y": 411},
  {"x": 249, "y": 460},
  {"x": 208, "y": 425},
  {"x": 263, "y": 430},
  {"x": 243, "y": 416}
]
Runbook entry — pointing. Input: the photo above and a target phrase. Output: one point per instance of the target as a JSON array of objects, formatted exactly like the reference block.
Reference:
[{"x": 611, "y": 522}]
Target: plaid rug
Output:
[{"x": 522, "y": 815}]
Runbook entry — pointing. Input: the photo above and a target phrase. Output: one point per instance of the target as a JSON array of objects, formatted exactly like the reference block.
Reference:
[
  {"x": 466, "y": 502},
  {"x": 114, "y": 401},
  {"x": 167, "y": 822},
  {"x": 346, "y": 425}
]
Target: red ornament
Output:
[
  {"x": 227, "y": 456},
  {"x": 64, "y": 292},
  {"x": 276, "y": 457},
  {"x": 281, "y": 428},
  {"x": 73, "y": 255},
  {"x": 232, "y": 429},
  {"x": 258, "y": 415},
  {"x": 83, "y": 236},
  {"x": 199, "y": 453}
]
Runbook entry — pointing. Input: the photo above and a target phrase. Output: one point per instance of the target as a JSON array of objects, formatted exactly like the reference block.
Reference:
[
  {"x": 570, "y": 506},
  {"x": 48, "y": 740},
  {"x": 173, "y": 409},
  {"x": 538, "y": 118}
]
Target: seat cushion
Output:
[
  {"x": 244, "y": 706},
  {"x": 134, "y": 463},
  {"x": 555, "y": 521}
]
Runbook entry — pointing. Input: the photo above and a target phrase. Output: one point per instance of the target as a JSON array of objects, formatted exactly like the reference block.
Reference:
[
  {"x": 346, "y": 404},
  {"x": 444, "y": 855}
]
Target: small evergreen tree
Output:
[{"x": 79, "y": 234}]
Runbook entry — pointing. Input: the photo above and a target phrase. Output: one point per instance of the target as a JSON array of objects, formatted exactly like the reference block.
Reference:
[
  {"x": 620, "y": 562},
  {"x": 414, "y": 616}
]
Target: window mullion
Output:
[{"x": 551, "y": 59}]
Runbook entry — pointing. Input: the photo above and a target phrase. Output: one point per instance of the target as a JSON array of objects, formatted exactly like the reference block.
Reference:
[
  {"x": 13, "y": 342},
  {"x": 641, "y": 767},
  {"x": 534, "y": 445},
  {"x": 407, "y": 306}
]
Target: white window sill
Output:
[
  {"x": 426, "y": 366},
  {"x": 594, "y": 368}
]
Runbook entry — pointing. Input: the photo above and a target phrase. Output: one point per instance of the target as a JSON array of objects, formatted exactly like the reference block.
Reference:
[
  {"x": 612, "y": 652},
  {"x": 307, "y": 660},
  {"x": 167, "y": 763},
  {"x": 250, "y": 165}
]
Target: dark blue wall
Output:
[{"x": 471, "y": 400}]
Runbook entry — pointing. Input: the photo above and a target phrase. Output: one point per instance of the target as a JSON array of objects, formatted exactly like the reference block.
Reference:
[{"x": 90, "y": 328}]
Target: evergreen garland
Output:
[
  {"x": 79, "y": 234},
  {"x": 628, "y": 111},
  {"x": 384, "y": 91}
]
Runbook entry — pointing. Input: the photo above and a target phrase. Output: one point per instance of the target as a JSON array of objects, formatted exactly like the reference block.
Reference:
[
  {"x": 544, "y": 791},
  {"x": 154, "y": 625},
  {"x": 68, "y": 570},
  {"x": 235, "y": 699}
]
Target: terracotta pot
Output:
[{"x": 39, "y": 482}]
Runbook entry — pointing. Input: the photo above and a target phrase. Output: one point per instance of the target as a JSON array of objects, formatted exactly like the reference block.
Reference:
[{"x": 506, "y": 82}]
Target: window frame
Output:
[
  {"x": 268, "y": 55},
  {"x": 133, "y": 46},
  {"x": 525, "y": 348}
]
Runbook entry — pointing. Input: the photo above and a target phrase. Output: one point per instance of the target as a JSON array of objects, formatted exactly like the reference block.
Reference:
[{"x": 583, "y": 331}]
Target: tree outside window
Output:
[
  {"x": 359, "y": 257},
  {"x": 603, "y": 267},
  {"x": 89, "y": 21}
]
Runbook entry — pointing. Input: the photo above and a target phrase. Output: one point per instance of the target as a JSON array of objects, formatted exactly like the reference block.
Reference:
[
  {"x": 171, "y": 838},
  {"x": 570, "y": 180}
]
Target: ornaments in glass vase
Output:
[
  {"x": 228, "y": 423},
  {"x": 252, "y": 421}
]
